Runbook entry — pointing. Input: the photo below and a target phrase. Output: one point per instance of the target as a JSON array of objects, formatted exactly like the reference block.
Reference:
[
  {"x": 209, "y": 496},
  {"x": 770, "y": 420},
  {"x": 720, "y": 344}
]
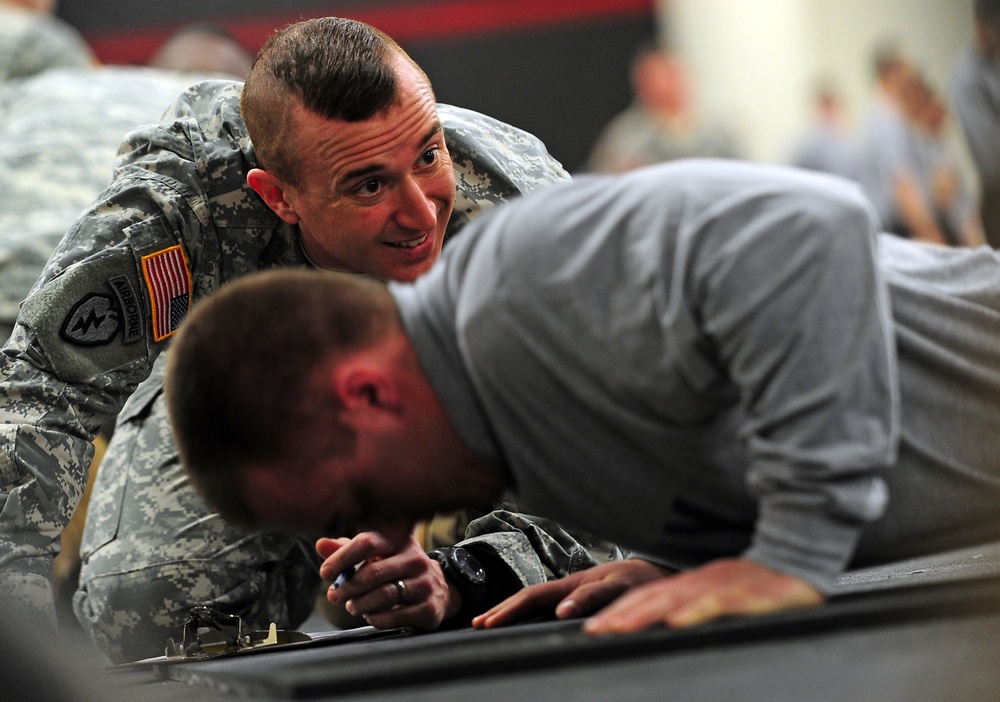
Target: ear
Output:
[
  {"x": 366, "y": 390},
  {"x": 273, "y": 192}
]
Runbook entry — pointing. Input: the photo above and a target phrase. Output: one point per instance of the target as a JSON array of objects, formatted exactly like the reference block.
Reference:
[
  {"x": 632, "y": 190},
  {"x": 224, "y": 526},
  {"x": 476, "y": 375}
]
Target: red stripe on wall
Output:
[{"x": 409, "y": 24}]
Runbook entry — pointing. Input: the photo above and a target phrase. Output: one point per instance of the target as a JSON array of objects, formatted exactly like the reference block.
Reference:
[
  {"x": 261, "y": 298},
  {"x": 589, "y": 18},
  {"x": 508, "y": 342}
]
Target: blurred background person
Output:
[
  {"x": 975, "y": 94},
  {"x": 939, "y": 179},
  {"x": 892, "y": 166},
  {"x": 661, "y": 124},
  {"x": 203, "y": 48},
  {"x": 33, "y": 40},
  {"x": 60, "y": 129},
  {"x": 883, "y": 153},
  {"x": 826, "y": 146}
]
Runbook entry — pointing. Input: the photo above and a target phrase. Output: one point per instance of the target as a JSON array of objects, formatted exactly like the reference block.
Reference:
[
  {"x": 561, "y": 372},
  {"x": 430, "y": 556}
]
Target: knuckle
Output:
[{"x": 376, "y": 570}]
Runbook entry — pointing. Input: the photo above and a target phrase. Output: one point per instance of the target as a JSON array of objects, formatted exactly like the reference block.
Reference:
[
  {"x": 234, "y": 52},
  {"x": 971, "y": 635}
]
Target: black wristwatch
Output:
[{"x": 464, "y": 571}]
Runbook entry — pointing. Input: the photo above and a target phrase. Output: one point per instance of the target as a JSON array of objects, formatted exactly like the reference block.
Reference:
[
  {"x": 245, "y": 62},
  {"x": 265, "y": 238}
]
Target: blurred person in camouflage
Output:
[
  {"x": 372, "y": 185},
  {"x": 662, "y": 123},
  {"x": 59, "y": 131},
  {"x": 33, "y": 40}
]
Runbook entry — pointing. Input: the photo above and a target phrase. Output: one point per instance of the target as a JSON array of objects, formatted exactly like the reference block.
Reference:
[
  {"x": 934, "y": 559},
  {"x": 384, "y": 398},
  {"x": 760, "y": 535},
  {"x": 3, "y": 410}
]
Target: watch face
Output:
[{"x": 468, "y": 566}]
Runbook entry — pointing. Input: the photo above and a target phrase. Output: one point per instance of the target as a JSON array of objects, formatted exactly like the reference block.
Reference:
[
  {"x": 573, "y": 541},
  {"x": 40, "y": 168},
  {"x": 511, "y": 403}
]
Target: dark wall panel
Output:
[
  {"x": 562, "y": 84},
  {"x": 557, "y": 68}
]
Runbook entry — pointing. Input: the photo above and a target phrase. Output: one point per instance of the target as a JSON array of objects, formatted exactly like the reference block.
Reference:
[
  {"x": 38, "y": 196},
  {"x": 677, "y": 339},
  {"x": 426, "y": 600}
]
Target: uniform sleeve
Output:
[
  {"x": 110, "y": 297},
  {"x": 59, "y": 135},
  {"x": 535, "y": 549}
]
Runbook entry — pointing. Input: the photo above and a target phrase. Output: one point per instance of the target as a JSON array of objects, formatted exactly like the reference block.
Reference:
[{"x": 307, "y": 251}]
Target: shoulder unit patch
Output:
[{"x": 92, "y": 321}]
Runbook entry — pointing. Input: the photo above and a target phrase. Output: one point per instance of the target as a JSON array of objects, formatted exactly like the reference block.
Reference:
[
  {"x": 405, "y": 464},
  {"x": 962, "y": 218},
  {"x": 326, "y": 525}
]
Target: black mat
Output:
[{"x": 428, "y": 658}]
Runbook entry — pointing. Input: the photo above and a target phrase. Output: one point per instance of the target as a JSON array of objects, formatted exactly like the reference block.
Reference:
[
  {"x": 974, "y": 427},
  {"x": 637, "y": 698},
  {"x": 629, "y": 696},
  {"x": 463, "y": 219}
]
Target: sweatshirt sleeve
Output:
[{"x": 778, "y": 300}]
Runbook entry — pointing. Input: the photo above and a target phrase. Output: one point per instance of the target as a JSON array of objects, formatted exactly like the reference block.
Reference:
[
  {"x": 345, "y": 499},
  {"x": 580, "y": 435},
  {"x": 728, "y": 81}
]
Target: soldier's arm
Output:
[
  {"x": 106, "y": 304},
  {"x": 518, "y": 550}
]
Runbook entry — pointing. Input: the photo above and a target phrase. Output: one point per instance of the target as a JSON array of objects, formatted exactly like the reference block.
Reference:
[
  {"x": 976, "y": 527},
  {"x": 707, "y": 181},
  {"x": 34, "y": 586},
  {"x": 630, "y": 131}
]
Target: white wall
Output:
[{"x": 753, "y": 62}]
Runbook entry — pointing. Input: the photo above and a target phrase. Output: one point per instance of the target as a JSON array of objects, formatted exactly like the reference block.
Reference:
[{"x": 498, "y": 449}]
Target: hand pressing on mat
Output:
[
  {"x": 727, "y": 587},
  {"x": 575, "y": 595},
  {"x": 636, "y": 594}
]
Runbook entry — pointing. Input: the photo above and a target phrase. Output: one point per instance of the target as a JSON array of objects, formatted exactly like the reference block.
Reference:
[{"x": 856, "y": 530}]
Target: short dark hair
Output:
[
  {"x": 337, "y": 68},
  {"x": 244, "y": 383}
]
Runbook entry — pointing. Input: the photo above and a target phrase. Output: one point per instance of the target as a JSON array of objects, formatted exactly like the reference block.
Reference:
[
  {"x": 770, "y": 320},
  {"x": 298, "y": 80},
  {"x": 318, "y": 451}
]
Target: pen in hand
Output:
[{"x": 344, "y": 576}]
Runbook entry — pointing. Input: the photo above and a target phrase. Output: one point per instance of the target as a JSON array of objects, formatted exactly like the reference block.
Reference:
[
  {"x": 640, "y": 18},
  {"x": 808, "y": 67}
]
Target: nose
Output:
[{"x": 416, "y": 209}]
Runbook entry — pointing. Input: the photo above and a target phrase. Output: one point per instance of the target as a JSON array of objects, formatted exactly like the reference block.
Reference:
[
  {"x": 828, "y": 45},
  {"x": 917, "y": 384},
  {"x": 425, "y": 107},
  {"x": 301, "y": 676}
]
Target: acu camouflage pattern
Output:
[
  {"x": 151, "y": 548},
  {"x": 59, "y": 133},
  {"x": 32, "y": 42}
]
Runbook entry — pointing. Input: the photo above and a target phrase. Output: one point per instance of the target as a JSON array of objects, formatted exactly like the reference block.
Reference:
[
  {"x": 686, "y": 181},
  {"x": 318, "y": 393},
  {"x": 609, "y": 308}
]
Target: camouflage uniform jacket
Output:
[
  {"x": 177, "y": 223},
  {"x": 59, "y": 132}
]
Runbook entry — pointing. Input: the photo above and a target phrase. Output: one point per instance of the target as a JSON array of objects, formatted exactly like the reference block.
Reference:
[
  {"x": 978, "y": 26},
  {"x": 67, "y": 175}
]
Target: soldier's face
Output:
[
  {"x": 375, "y": 196},
  {"x": 407, "y": 461}
]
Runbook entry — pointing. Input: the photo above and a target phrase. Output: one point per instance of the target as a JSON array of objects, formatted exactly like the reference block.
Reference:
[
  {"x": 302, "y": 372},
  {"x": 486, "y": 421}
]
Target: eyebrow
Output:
[{"x": 376, "y": 167}]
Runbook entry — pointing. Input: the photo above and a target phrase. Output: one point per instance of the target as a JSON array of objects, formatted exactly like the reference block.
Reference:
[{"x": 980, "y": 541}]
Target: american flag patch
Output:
[{"x": 169, "y": 285}]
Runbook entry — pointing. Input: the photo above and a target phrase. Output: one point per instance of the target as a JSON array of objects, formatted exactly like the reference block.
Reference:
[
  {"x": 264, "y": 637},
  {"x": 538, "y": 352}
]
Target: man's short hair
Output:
[
  {"x": 337, "y": 68},
  {"x": 247, "y": 378}
]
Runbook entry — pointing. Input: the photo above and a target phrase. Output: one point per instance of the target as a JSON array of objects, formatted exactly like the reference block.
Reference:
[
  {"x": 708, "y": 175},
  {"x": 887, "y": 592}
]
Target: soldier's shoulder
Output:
[
  {"x": 463, "y": 125},
  {"x": 208, "y": 111},
  {"x": 201, "y": 135}
]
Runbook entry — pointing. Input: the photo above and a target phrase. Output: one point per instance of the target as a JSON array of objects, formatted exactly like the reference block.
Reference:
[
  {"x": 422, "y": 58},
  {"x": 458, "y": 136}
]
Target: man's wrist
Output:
[
  {"x": 455, "y": 603},
  {"x": 466, "y": 583}
]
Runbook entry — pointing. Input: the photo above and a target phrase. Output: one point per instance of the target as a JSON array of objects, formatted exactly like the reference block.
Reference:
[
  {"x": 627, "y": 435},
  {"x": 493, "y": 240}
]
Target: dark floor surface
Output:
[{"x": 927, "y": 630}]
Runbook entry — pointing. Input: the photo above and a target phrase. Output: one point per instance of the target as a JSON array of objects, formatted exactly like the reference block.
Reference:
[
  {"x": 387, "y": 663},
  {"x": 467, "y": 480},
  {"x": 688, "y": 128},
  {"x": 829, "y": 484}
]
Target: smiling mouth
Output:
[{"x": 408, "y": 244}]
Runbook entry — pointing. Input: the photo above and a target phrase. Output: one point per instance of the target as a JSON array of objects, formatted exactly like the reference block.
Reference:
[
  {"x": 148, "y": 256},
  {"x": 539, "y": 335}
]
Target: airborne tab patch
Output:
[
  {"x": 169, "y": 284},
  {"x": 132, "y": 322}
]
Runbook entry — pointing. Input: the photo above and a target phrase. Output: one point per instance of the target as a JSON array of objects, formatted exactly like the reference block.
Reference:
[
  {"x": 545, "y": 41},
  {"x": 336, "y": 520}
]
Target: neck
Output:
[{"x": 485, "y": 481}]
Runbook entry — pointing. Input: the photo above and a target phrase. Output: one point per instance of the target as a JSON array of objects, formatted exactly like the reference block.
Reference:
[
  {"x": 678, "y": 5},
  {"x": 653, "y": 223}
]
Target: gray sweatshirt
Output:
[{"x": 697, "y": 360}]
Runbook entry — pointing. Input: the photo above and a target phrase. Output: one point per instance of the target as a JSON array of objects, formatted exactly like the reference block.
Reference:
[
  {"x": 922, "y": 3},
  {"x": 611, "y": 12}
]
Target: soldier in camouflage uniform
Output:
[
  {"x": 178, "y": 222},
  {"x": 62, "y": 120},
  {"x": 32, "y": 41},
  {"x": 59, "y": 132}
]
